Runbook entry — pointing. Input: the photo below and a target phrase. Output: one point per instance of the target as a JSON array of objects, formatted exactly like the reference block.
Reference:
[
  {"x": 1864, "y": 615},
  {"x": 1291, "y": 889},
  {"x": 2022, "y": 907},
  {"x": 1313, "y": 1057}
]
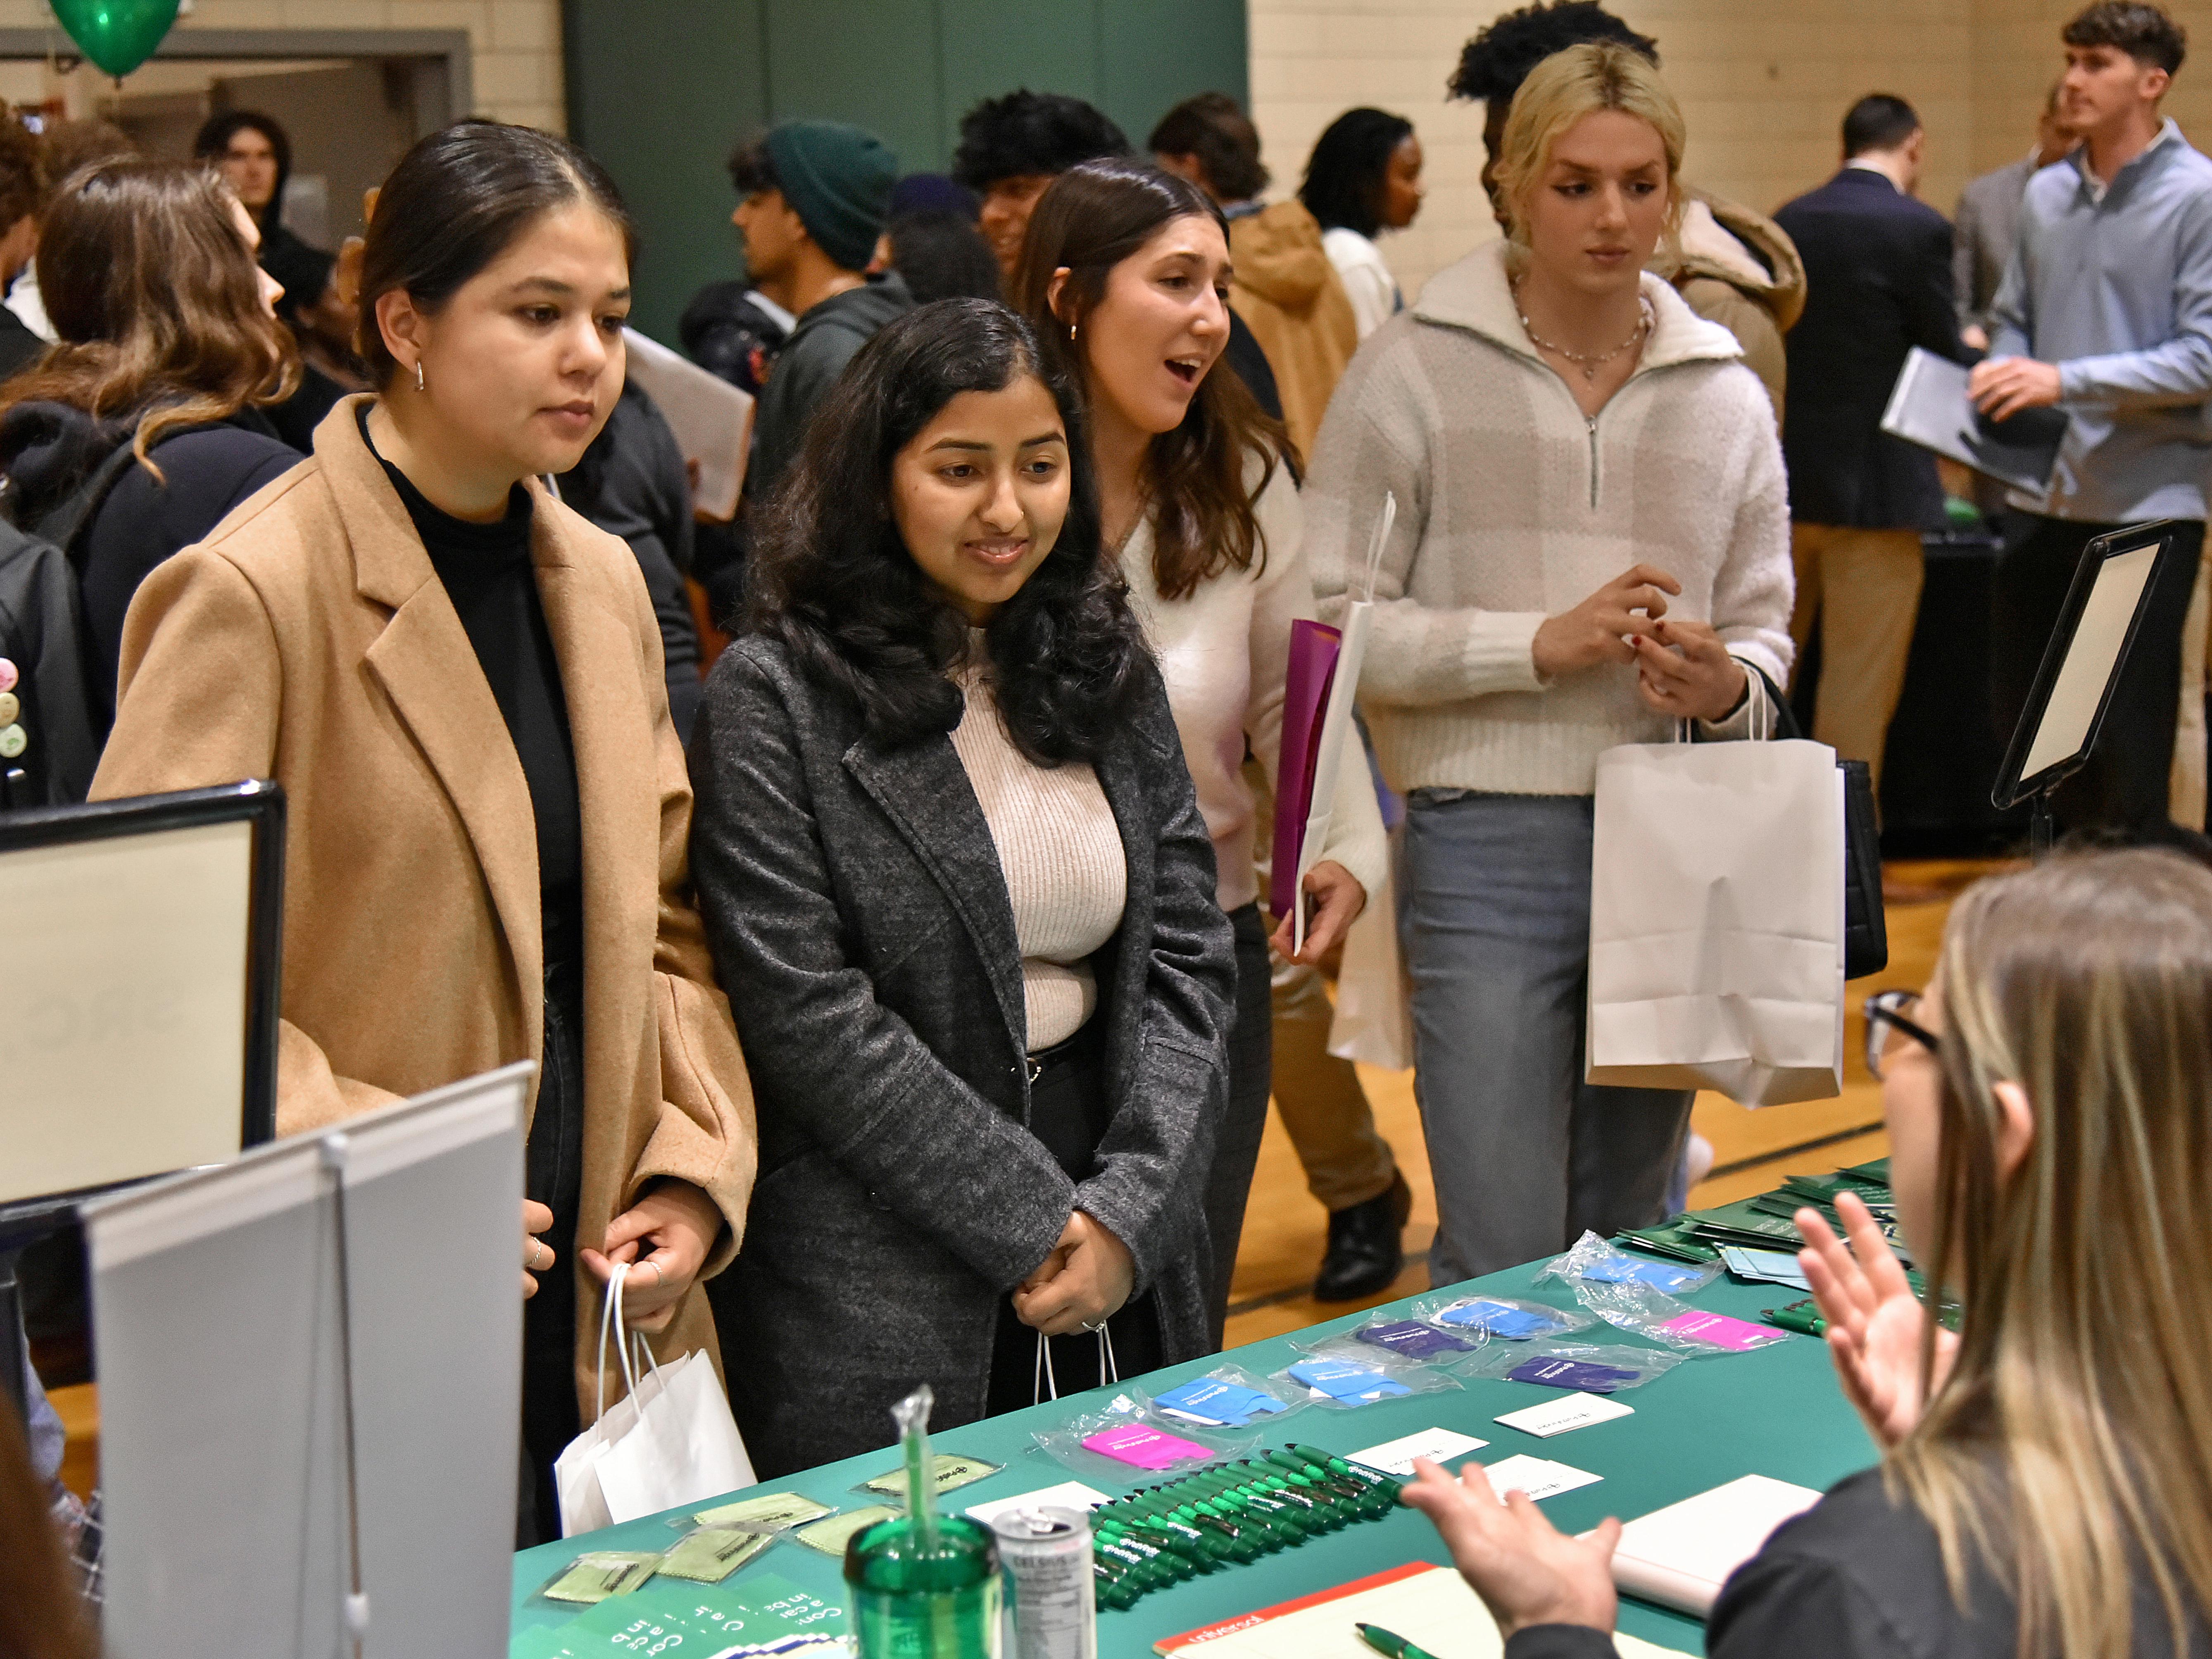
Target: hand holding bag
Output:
[
  {"x": 1717, "y": 919},
  {"x": 670, "y": 1440}
]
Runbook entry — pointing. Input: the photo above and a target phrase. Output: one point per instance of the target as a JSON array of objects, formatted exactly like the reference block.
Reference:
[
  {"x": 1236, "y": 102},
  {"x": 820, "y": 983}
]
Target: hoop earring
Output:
[{"x": 418, "y": 375}]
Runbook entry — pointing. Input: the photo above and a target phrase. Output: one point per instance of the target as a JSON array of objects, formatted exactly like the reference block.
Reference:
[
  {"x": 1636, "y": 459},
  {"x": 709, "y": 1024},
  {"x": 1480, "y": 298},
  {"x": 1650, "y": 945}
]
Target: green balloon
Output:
[{"x": 119, "y": 35}]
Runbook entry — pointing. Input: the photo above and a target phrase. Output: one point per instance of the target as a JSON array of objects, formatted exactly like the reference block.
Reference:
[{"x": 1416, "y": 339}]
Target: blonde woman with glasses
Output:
[{"x": 2045, "y": 1487}]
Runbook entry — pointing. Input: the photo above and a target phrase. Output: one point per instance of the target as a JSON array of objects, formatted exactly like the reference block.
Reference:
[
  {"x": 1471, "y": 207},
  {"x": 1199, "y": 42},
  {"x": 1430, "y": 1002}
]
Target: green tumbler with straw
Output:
[{"x": 924, "y": 1586}]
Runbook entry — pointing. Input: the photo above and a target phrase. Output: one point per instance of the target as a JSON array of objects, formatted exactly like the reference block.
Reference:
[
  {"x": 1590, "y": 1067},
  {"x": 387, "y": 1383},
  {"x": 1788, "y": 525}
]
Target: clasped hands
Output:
[
  {"x": 1682, "y": 669},
  {"x": 664, "y": 1239},
  {"x": 1088, "y": 1275},
  {"x": 1528, "y": 1572}
]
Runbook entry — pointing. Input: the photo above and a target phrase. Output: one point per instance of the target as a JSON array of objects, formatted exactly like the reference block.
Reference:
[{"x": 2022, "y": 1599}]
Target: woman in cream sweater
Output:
[
  {"x": 1125, "y": 276},
  {"x": 1592, "y": 540}
]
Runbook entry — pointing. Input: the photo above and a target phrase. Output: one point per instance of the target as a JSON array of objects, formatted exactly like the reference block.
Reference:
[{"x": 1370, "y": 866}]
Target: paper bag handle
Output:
[{"x": 1760, "y": 691}]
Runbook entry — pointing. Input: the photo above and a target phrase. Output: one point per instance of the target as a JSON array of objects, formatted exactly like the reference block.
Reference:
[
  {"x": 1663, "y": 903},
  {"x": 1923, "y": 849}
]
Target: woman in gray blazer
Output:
[{"x": 960, "y": 894}]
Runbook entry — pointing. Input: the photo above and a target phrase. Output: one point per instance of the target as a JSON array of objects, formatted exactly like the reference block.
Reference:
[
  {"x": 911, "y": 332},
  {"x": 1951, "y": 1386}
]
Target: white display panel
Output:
[
  {"x": 2098, "y": 640},
  {"x": 122, "y": 1031},
  {"x": 222, "y": 1401}
]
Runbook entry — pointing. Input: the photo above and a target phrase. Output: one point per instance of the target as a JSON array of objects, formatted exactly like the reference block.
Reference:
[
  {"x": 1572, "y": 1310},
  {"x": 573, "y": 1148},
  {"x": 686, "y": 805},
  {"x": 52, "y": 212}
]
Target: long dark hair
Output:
[
  {"x": 834, "y": 581},
  {"x": 1093, "y": 217},
  {"x": 212, "y": 142},
  {"x": 1345, "y": 175},
  {"x": 157, "y": 302},
  {"x": 455, "y": 203}
]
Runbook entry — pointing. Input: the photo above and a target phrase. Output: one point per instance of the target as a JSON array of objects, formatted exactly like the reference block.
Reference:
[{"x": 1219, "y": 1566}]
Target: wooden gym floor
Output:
[{"x": 1285, "y": 1231}]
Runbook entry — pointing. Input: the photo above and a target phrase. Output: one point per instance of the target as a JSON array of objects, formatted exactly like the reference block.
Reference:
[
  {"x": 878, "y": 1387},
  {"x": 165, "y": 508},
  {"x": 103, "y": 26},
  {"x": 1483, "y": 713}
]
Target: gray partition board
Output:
[{"x": 223, "y": 1449}]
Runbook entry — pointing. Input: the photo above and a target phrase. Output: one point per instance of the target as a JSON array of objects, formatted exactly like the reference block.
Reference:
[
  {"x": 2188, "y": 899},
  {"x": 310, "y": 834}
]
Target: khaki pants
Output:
[
  {"x": 2185, "y": 789},
  {"x": 1323, "y": 1107},
  {"x": 1865, "y": 585}
]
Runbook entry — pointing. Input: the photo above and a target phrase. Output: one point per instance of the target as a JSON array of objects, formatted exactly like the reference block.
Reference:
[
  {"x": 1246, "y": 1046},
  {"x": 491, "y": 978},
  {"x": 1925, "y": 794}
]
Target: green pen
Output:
[{"x": 1392, "y": 1647}]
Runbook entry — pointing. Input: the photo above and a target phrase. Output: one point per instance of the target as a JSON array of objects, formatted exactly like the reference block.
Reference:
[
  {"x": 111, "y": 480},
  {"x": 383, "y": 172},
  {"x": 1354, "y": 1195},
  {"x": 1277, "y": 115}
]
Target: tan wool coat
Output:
[
  {"x": 1291, "y": 297},
  {"x": 309, "y": 640}
]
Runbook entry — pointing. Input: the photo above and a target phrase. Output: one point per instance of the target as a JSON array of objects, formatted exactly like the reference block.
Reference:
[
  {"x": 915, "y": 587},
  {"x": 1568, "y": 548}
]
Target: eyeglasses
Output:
[{"x": 1887, "y": 1020}]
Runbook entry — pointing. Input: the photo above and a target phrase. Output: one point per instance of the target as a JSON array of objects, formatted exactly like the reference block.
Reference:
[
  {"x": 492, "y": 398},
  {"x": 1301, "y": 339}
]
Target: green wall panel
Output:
[
  {"x": 1155, "y": 53},
  {"x": 872, "y": 63},
  {"x": 662, "y": 90},
  {"x": 991, "y": 46}
]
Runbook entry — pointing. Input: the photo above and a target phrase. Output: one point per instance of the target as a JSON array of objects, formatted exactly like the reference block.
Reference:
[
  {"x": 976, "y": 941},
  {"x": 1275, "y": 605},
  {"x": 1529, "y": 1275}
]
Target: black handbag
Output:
[{"x": 1866, "y": 927}]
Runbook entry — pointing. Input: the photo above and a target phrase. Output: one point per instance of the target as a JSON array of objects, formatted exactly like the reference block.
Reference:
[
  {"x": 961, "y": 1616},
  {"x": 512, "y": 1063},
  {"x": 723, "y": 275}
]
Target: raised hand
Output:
[
  {"x": 1876, "y": 1322},
  {"x": 1526, "y": 1570}
]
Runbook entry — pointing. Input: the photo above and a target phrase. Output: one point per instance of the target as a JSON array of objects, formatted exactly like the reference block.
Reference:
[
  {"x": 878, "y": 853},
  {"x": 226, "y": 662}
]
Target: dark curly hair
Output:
[
  {"x": 1497, "y": 61},
  {"x": 2145, "y": 33},
  {"x": 1031, "y": 132},
  {"x": 834, "y": 582},
  {"x": 1343, "y": 187},
  {"x": 1212, "y": 127}
]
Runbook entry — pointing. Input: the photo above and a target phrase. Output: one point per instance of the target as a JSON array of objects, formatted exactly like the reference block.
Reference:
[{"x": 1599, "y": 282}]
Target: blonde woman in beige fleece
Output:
[{"x": 1593, "y": 542}]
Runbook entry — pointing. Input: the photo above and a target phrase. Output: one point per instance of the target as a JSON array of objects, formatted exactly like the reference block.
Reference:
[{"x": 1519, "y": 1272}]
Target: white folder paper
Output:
[
  {"x": 712, "y": 419},
  {"x": 1337, "y": 727}
]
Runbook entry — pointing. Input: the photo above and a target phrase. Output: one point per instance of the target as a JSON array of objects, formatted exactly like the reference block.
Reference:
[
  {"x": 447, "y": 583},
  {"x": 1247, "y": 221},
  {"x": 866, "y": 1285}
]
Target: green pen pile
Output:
[
  {"x": 1228, "y": 1515},
  {"x": 1768, "y": 1222}
]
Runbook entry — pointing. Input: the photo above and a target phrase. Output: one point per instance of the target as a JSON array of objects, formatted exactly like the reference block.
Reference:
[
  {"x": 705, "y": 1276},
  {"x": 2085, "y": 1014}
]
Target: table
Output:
[{"x": 1774, "y": 1412}]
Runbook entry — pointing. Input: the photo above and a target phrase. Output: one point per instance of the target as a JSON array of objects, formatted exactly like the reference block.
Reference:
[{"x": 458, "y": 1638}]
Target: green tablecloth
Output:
[{"x": 1775, "y": 1412}]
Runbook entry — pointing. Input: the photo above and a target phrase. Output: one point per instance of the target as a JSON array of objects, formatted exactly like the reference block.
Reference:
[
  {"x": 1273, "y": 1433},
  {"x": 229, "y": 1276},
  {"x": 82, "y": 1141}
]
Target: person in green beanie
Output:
[{"x": 813, "y": 197}]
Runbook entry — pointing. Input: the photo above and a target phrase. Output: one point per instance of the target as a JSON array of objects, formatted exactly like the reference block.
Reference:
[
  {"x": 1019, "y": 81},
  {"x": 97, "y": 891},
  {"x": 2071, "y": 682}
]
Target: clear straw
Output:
[
  {"x": 912, "y": 1416},
  {"x": 1374, "y": 544}
]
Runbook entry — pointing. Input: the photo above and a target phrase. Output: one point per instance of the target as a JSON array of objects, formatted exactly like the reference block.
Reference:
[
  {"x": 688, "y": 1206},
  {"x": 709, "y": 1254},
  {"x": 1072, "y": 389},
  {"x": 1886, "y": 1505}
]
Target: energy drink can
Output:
[{"x": 1051, "y": 1606}]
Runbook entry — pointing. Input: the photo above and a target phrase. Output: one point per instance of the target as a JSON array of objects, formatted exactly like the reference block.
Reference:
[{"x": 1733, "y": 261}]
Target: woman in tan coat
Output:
[{"x": 458, "y": 682}]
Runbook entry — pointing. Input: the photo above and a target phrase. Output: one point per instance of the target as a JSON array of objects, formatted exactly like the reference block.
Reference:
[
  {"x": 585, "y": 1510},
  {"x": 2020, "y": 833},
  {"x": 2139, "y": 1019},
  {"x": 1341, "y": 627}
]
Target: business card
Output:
[
  {"x": 1569, "y": 1411},
  {"x": 1396, "y": 1456},
  {"x": 1537, "y": 1476}
]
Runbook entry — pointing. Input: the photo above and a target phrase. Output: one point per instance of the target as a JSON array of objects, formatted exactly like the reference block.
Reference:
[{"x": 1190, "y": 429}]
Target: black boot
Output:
[{"x": 1364, "y": 1253}]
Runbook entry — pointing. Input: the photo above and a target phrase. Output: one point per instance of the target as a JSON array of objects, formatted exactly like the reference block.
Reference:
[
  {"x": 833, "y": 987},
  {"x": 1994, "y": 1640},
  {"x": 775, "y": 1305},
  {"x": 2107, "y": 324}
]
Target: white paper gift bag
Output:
[
  {"x": 1374, "y": 1018},
  {"x": 670, "y": 1441},
  {"x": 1716, "y": 920}
]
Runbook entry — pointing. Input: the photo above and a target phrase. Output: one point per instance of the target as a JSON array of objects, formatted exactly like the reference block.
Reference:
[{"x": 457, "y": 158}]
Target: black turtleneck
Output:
[{"x": 487, "y": 575}]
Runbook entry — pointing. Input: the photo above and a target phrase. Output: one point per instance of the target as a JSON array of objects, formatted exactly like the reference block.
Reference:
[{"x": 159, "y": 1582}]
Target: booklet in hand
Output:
[
  {"x": 1929, "y": 406},
  {"x": 1320, "y": 682}
]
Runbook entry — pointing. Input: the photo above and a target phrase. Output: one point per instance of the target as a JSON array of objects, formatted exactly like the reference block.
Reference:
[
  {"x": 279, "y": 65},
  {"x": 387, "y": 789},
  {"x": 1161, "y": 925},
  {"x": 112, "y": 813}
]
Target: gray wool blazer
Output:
[{"x": 861, "y": 927}]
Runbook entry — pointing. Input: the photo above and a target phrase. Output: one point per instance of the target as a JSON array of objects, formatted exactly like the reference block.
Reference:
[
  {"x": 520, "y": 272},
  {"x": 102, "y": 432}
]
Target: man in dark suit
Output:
[{"x": 1878, "y": 276}]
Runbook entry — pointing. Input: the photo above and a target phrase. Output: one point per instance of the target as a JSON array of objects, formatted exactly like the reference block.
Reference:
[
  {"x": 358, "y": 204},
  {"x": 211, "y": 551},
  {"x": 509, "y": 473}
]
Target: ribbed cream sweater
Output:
[
  {"x": 1061, "y": 851},
  {"x": 1223, "y": 650},
  {"x": 1512, "y": 506}
]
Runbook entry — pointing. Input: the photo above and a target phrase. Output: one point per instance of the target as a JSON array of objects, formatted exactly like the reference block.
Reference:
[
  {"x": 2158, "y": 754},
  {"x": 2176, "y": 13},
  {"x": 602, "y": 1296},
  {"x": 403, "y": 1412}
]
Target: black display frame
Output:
[
  {"x": 258, "y": 802},
  {"x": 2010, "y": 788}
]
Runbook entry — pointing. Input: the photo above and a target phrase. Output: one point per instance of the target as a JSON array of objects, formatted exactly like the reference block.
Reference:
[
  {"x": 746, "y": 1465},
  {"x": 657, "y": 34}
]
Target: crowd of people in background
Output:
[{"x": 910, "y": 957}]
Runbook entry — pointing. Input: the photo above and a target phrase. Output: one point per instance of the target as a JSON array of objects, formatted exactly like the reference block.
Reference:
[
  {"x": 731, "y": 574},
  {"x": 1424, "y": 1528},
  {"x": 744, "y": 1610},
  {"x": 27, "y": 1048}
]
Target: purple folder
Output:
[{"x": 1312, "y": 667}]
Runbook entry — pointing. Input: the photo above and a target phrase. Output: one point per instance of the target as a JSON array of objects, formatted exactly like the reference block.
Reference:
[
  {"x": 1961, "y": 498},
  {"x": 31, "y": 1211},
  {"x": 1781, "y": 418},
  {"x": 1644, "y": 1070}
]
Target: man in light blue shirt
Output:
[{"x": 2106, "y": 309}]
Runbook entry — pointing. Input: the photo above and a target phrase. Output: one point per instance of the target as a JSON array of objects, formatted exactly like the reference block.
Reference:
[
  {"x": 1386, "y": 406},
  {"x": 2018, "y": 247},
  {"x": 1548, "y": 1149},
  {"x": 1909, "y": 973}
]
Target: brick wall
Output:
[
  {"x": 1764, "y": 85},
  {"x": 515, "y": 44}
]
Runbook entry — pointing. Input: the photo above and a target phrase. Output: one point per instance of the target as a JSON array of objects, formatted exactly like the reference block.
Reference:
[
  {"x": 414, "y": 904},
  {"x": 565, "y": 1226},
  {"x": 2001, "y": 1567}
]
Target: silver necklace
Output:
[{"x": 1588, "y": 362}]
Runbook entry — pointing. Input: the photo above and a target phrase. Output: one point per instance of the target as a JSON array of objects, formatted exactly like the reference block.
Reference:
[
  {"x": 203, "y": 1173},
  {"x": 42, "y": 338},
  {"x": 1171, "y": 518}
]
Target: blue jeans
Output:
[{"x": 1494, "y": 916}]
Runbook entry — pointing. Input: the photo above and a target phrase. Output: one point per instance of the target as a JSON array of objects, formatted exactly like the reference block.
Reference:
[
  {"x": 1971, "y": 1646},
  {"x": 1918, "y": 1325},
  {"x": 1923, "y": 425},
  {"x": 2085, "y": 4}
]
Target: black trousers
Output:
[
  {"x": 1068, "y": 1111},
  {"x": 1237, "y": 1144},
  {"x": 554, "y": 1167},
  {"x": 2124, "y": 787}
]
